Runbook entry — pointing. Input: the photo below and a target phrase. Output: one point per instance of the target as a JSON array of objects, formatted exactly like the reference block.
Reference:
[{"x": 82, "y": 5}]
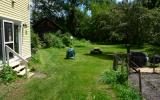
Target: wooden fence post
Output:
[{"x": 140, "y": 82}]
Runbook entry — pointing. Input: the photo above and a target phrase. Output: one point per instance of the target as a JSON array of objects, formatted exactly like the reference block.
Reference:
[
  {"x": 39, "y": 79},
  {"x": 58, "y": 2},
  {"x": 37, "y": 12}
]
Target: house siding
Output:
[{"x": 19, "y": 12}]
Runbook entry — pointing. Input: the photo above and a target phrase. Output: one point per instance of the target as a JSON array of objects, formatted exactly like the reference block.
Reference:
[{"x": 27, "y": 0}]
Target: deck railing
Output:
[{"x": 10, "y": 50}]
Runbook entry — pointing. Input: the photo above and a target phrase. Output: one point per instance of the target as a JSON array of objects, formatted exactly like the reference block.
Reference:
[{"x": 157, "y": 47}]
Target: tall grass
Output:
[{"x": 119, "y": 83}]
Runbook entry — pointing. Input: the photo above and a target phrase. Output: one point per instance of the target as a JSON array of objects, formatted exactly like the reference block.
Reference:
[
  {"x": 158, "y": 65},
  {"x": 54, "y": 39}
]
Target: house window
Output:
[{"x": 8, "y": 32}]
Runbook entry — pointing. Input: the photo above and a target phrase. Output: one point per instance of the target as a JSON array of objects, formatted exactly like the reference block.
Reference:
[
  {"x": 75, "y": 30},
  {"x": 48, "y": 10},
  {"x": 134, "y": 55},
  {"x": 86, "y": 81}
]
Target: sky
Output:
[{"x": 121, "y": 0}]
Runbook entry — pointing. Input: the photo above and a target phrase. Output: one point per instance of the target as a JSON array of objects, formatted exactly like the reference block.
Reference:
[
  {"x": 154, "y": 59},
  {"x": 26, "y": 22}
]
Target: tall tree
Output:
[
  {"x": 150, "y": 4},
  {"x": 71, "y": 9},
  {"x": 47, "y": 8},
  {"x": 65, "y": 9}
]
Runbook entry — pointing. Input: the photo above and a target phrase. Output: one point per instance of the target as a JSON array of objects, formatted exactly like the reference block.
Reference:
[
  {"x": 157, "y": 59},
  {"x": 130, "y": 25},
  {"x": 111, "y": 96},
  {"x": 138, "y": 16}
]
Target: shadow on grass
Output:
[
  {"x": 104, "y": 55},
  {"x": 123, "y": 46},
  {"x": 79, "y": 46}
]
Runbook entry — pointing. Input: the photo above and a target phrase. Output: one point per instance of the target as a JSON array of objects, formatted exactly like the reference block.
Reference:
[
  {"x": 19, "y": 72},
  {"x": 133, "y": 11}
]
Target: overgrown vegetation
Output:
[
  {"x": 7, "y": 74},
  {"x": 51, "y": 40},
  {"x": 118, "y": 81},
  {"x": 35, "y": 40},
  {"x": 35, "y": 44},
  {"x": 66, "y": 39}
]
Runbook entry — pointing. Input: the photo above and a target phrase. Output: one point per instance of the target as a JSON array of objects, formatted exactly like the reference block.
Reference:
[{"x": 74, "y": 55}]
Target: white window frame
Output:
[{"x": 3, "y": 38}]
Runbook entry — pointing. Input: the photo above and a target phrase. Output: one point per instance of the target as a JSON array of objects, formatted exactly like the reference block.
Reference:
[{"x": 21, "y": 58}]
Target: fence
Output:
[{"x": 123, "y": 61}]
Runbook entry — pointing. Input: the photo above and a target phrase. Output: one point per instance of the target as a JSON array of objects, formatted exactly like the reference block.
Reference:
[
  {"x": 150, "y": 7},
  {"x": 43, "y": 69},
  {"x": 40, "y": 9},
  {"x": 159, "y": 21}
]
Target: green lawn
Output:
[
  {"x": 77, "y": 79},
  {"x": 70, "y": 79}
]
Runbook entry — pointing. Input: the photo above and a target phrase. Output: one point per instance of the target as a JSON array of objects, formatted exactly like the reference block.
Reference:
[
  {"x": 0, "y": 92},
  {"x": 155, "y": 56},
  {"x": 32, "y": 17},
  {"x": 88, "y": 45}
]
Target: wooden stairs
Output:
[
  {"x": 18, "y": 63},
  {"x": 20, "y": 68}
]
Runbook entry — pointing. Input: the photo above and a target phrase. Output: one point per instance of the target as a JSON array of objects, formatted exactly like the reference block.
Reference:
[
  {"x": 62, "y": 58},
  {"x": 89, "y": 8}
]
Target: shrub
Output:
[
  {"x": 51, "y": 40},
  {"x": 7, "y": 74},
  {"x": 48, "y": 40},
  {"x": 81, "y": 43},
  {"x": 114, "y": 77},
  {"x": 66, "y": 40},
  {"x": 35, "y": 43},
  {"x": 109, "y": 77},
  {"x": 57, "y": 42},
  {"x": 121, "y": 78}
]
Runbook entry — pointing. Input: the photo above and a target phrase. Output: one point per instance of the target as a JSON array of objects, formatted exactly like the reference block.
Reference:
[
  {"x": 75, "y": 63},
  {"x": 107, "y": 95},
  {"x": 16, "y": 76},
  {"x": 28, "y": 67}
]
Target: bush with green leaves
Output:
[
  {"x": 66, "y": 40},
  {"x": 57, "y": 42},
  {"x": 114, "y": 77},
  {"x": 7, "y": 74},
  {"x": 48, "y": 39},
  {"x": 51, "y": 40},
  {"x": 35, "y": 43}
]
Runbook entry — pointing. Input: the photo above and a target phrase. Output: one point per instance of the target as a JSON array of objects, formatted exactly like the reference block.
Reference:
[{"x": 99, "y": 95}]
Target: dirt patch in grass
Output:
[
  {"x": 150, "y": 85},
  {"x": 14, "y": 91},
  {"x": 39, "y": 75}
]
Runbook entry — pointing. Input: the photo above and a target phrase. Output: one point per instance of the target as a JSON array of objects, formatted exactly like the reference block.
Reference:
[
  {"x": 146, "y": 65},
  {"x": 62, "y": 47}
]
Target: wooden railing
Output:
[
  {"x": 118, "y": 59},
  {"x": 10, "y": 50},
  {"x": 139, "y": 76}
]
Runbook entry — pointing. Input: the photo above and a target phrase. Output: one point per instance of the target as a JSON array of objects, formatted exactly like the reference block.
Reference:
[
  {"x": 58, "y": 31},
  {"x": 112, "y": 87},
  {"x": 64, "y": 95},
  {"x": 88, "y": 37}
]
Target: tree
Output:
[
  {"x": 103, "y": 21},
  {"x": 47, "y": 8},
  {"x": 64, "y": 10},
  {"x": 72, "y": 7},
  {"x": 155, "y": 36},
  {"x": 150, "y": 4}
]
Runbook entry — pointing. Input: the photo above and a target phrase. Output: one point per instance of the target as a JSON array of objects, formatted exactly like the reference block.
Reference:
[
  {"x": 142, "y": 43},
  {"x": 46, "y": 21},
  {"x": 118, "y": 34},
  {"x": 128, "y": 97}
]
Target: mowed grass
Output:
[{"x": 77, "y": 79}]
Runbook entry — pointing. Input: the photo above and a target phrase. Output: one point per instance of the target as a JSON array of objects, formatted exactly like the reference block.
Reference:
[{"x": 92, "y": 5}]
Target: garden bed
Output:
[{"x": 150, "y": 85}]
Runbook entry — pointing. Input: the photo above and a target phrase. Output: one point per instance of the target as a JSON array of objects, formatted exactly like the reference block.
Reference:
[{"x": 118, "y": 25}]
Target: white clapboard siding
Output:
[{"x": 19, "y": 12}]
